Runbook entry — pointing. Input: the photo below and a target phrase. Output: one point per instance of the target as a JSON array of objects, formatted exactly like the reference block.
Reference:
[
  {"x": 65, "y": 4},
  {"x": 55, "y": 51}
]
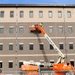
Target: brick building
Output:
[{"x": 17, "y": 43}]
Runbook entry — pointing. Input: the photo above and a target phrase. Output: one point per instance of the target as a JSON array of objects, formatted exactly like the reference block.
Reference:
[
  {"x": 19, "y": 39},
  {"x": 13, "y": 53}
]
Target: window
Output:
[
  {"x": 31, "y": 14},
  {"x": 21, "y": 30},
  {"x": 10, "y": 64},
  {"x": 1, "y": 14},
  {"x": 1, "y": 64},
  {"x": 59, "y": 14},
  {"x": 31, "y": 46},
  {"x": 11, "y": 30},
  {"x": 70, "y": 30},
  {"x": 41, "y": 61},
  {"x": 69, "y": 14},
  {"x": 21, "y": 14},
  {"x": 72, "y": 62},
  {"x": 21, "y": 47},
  {"x": 41, "y": 47},
  {"x": 61, "y": 46},
  {"x": 60, "y": 30},
  {"x": 1, "y": 30},
  {"x": 10, "y": 47},
  {"x": 50, "y": 14},
  {"x": 40, "y": 14},
  {"x": 51, "y": 30},
  {"x": 70, "y": 46},
  {"x": 20, "y": 63},
  {"x": 52, "y": 62},
  {"x": 1, "y": 47},
  {"x": 51, "y": 47},
  {"x": 11, "y": 14}
]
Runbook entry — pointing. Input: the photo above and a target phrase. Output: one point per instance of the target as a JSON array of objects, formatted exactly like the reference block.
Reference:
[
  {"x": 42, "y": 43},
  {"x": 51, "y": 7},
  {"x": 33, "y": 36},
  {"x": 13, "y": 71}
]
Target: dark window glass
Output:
[
  {"x": 10, "y": 64},
  {"x": 20, "y": 47},
  {"x": 10, "y": 47},
  {"x": 70, "y": 46},
  {"x": 20, "y": 63},
  {"x": 1, "y": 47},
  {"x": 51, "y": 47},
  {"x": 11, "y": 14},
  {"x": 1, "y": 14},
  {"x": 31, "y": 46},
  {"x": 61, "y": 46},
  {"x": 41, "y": 47},
  {"x": 72, "y": 63},
  {"x": 1, "y": 64}
]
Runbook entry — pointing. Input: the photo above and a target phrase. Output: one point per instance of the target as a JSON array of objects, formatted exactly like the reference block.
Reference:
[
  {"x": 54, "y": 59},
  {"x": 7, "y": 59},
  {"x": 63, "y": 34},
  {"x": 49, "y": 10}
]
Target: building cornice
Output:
[{"x": 39, "y": 5}]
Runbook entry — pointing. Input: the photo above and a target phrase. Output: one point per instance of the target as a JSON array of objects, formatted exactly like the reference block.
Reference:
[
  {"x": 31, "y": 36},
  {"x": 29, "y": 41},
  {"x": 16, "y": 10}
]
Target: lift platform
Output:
[{"x": 33, "y": 28}]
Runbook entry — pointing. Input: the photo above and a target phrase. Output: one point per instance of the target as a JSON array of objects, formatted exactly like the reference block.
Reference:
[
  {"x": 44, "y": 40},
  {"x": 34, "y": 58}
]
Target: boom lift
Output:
[
  {"x": 61, "y": 55},
  {"x": 60, "y": 67}
]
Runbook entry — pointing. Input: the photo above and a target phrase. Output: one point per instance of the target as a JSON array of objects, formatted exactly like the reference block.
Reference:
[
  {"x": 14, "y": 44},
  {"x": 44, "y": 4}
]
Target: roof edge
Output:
[{"x": 37, "y": 5}]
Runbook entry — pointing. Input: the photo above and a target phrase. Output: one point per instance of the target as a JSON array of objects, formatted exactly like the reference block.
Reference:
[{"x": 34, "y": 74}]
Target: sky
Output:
[{"x": 37, "y": 1}]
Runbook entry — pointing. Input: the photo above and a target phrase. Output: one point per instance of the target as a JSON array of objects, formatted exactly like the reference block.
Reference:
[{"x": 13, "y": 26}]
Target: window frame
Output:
[
  {"x": 60, "y": 30},
  {"x": 11, "y": 30},
  {"x": 40, "y": 14},
  {"x": 59, "y": 14},
  {"x": 1, "y": 48},
  {"x": 1, "y": 64},
  {"x": 50, "y": 14},
  {"x": 21, "y": 46},
  {"x": 31, "y": 46},
  {"x": 41, "y": 45},
  {"x": 71, "y": 46},
  {"x": 31, "y": 13},
  {"x": 50, "y": 30},
  {"x": 10, "y": 45},
  {"x": 70, "y": 30},
  {"x": 69, "y": 15},
  {"x": 1, "y": 30},
  {"x": 72, "y": 62},
  {"x": 1, "y": 14},
  {"x": 21, "y": 14},
  {"x": 10, "y": 64},
  {"x": 51, "y": 47},
  {"x": 20, "y": 63},
  {"x": 11, "y": 14},
  {"x": 21, "y": 30},
  {"x": 61, "y": 46}
]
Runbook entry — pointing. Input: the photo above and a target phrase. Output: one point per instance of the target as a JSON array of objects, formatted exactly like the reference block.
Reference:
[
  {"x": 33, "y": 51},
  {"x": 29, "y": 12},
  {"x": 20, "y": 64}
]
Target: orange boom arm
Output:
[{"x": 61, "y": 55}]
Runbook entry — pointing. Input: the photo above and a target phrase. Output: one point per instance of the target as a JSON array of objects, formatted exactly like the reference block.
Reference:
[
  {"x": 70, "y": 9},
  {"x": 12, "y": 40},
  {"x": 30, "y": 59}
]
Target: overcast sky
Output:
[{"x": 37, "y": 1}]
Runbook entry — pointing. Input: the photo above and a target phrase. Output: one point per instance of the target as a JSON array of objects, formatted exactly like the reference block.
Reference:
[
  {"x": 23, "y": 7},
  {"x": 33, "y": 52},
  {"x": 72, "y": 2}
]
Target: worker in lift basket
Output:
[{"x": 40, "y": 24}]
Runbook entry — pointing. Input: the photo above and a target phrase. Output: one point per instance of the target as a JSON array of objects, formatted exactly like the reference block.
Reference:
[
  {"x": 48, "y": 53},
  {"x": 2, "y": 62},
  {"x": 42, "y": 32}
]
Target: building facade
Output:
[{"x": 18, "y": 44}]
